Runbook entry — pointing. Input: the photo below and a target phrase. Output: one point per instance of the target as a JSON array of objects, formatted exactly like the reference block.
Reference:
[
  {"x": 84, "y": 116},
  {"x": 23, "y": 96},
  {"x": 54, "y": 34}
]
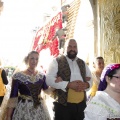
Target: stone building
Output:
[{"x": 95, "y": 24}]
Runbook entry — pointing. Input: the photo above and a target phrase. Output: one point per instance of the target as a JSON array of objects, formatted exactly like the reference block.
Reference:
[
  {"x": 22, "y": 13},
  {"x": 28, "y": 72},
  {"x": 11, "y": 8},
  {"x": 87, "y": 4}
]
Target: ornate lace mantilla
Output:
[{"x": 24, "y": 78}]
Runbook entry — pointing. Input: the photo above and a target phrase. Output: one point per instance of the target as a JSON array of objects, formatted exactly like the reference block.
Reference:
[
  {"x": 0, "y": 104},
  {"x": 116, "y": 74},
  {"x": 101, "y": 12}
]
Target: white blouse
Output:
[{"x": 101, "y": 107}]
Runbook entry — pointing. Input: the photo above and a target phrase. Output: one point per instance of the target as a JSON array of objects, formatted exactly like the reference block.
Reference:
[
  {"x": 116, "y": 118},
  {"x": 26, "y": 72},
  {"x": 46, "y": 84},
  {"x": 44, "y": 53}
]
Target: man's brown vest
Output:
[{"x": 65, "y": 73}]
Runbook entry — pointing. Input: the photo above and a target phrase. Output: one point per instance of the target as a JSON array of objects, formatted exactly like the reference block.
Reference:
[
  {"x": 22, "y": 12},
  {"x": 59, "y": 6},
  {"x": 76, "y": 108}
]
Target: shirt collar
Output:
[{"x": 70, "y": 59}]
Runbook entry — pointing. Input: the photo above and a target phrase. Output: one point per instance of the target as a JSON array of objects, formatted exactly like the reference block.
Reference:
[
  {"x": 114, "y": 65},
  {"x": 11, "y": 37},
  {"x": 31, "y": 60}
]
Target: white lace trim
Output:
[
  {"x": 26, "y": 111},
  {"x": 103, "y": 105},
  {"x": 24, "y": 78}
]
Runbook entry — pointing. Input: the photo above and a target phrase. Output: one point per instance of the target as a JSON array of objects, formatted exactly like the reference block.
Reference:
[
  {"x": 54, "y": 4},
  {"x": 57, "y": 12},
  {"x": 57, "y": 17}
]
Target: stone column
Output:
[{"x": 110, "y": 30}]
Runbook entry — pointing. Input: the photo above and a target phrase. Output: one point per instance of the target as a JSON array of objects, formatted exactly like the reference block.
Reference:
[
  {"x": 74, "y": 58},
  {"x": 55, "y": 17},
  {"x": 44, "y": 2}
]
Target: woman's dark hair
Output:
[
  {"x": 111, "y": 73},
  {"x": 27, "y": 57},
  {"x": 97, "y": 58}
]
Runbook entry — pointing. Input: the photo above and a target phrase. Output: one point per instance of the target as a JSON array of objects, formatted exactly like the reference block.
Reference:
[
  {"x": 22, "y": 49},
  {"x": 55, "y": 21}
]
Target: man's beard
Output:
[{"x": 71, "y": 55}]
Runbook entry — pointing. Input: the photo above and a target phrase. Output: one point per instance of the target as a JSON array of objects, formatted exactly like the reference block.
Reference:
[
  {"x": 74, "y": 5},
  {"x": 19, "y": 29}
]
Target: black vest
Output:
[{"x": 65, "y": 73}]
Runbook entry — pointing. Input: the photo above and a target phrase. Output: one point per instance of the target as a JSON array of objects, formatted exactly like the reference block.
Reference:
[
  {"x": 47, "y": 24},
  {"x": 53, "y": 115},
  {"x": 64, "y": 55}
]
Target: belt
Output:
[{"x": 23, "y": 99}]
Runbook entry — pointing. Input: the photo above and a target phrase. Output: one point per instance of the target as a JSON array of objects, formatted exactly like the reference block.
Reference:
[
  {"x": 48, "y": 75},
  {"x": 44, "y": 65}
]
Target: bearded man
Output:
[{"x": 70, "y": 96}]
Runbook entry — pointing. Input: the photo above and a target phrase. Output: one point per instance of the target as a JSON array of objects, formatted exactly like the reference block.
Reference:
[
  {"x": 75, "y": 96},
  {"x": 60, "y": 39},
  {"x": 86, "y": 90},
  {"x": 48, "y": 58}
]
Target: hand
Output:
[
  {"x": 78, "y": 85},
  {"x": 58, "y": 79},
  {"x": 73, "y": 85},
  {"x": 87, "y": 78},
  {"x": 82, "y": 86},
  {"x": 87, "y": 85},
  {"x": 8, "y": 118},
  {"x": 9, "y": 113}
]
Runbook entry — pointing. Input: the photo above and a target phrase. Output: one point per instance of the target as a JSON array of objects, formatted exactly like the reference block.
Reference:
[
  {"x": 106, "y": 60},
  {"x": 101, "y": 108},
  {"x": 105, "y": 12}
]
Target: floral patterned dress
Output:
[{"x": 25, "y": 97}]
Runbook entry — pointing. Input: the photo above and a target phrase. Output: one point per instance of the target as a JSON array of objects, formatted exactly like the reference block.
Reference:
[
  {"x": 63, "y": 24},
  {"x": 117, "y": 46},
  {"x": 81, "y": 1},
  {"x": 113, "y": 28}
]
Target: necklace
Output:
[
  {"x": 32, "y": 76},
  {"x": 32, "y": 72}
]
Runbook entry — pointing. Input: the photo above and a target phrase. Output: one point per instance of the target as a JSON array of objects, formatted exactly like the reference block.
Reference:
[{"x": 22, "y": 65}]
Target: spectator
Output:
[
  {"x": 3, "y": 82},
  {"x": 105, "y": 105},
  {"x": 98, "y": 66}
]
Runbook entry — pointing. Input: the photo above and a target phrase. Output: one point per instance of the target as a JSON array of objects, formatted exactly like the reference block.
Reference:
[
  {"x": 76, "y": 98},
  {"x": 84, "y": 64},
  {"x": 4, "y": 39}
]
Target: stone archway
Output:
[{"x": 84, "y": 31}]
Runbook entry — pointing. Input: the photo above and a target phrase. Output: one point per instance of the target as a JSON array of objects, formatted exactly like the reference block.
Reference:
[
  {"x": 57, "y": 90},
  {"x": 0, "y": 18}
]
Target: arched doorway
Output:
[{"x": 84, "y": 31}]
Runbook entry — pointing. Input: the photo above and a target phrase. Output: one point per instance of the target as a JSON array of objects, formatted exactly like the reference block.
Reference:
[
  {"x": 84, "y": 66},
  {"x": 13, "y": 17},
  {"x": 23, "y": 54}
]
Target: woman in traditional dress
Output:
[
  {"x": 105, "y": 105},
  {"x": 25, "y": 101}
]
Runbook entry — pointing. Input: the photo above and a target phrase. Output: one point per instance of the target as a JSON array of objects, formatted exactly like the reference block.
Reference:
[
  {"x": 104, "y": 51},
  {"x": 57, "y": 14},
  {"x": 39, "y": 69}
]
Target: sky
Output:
[{"x": 17, "y": 21}]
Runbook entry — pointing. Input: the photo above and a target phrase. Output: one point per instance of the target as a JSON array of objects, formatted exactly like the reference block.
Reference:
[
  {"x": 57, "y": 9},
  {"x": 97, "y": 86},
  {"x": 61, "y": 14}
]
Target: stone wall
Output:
[{"x": 110, "y": 30}]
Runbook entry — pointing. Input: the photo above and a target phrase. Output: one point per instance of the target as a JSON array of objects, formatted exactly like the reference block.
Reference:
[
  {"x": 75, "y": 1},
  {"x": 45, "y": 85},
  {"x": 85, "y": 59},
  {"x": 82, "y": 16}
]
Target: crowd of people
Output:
[{"x": 68, "y": 78}]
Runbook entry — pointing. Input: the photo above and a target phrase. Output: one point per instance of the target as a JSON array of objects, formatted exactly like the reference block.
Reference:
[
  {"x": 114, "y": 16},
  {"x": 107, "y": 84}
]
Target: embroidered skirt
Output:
[{"x": 26, "y": 111}]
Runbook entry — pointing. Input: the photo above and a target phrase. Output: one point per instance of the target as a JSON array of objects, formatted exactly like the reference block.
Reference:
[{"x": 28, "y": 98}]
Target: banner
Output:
[{"x": 43, "y": 37}]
